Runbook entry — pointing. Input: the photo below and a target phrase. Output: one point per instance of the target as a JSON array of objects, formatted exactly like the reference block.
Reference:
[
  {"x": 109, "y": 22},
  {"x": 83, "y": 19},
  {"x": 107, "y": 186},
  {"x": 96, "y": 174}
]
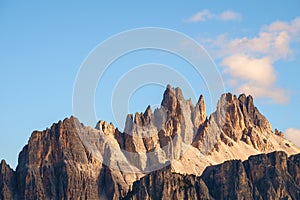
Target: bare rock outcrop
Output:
[
  {"x": 7, "y": 182},
  {"x": 176, "y": 146},
  {"x": 237, "y": 130},
  {"x": 56, "y": 165},
  {"x": 162, "y": 134},
  {"x": 163, "y": 184},
  {"x": 264, "y": 176}
]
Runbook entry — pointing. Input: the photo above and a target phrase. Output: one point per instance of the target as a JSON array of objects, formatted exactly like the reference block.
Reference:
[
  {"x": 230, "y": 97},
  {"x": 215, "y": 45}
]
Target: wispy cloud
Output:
[
  {"x": 201, "y": 16},
  {"x": 230, "y": 15},
  {"x": 293, "y": 135},
  {"x": 206, "y": 14},
  {"x": 249, "y": 62},
  {"x": 292, "y": 27}
]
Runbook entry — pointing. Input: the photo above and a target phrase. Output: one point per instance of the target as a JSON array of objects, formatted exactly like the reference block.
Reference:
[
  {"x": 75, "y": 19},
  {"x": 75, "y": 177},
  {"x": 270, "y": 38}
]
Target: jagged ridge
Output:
[
  {"x": 264, "y": 176},
  {"x": 70, "y": 160}
]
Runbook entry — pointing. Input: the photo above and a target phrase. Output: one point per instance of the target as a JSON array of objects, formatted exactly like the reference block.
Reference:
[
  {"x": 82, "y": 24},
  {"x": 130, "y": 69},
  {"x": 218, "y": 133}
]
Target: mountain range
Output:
[{"x": 175, "y": 151}]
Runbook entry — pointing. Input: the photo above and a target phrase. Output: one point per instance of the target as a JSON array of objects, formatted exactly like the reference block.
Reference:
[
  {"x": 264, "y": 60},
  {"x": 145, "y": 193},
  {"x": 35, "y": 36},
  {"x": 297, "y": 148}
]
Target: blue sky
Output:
[{"x": 43, "y": 44}]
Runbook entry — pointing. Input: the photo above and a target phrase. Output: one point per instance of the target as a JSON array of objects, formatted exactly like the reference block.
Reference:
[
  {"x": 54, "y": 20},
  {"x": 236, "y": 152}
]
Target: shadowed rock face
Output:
[
  {"x": 7, "y": 181},
  {"x": 56, "y": 165},
  {"x": 265, "y": 176},
  {"x": 45, "y": 165},
  {"x": 72, "y": 161},
  {"x": 164, "y": 184}
]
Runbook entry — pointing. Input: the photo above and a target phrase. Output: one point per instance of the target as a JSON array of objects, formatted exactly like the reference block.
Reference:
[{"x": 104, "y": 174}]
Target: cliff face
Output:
[
  {"x": 181, "y": 133},
  {"x": 163, "y": 184},
  {"x": 160, "y": 136},
  {"x": 56, "y": 165},
  {"x": 73, "y": 161},
  {"x": 265, "y": 176},
  {"x": 7, "y": 181}
]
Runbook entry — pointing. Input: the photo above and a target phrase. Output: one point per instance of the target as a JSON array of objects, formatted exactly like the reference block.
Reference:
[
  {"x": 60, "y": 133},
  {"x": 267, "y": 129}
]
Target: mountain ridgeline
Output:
[{"x": 173, "y": 152}]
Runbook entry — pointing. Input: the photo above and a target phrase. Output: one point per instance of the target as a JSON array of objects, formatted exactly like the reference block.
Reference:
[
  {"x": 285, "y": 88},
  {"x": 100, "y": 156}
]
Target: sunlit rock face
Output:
[{"x": 72, "y": 161}]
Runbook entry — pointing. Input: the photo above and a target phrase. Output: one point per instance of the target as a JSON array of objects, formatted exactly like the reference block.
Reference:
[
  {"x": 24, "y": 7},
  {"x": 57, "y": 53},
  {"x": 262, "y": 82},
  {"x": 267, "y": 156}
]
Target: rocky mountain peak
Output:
[
  {"x": 171, "y": 100},
  {"x": 148, "y": 112},
  {"x": 143, "y": 119},
  {"x": 106, "y": 128},
  {"x": 240, "y": 113},
  {"x": 201, "y": 100},
  {"x": 7, "y": 181},
  {"x": 247, "y": 100},
  {"x": 73, "y": 161},
  {"x": 235, "y": 126},
  {"x": 3, "y": 163},
  {"x": 200, "y": 112},
  {"x": 237, "y": 130}
]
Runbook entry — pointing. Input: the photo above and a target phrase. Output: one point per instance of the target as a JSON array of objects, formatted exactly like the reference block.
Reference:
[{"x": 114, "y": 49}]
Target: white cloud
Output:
[
  {"x": 250, "y": 69},
  {"x": 276, "y": 45},
  {"x": 253, "y": 72},
  {"x": 281, "y": 44},
  {"x": 250, "y": 60},
  {"x": 200, "y": 16},
  {"x": 293, "y": 135},
  {"x": 206, "y": 14},
  {"x": 230, "y": 15},
  {"x": 292, "y": 27},
  {"x": 278, "y": 95}
]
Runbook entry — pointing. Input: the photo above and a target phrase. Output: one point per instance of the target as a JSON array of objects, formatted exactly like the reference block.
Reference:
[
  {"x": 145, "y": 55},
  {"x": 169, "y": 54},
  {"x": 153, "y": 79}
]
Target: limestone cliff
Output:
[
  {"x": 264, "y": 176},
  {"x": 173, "y": 146}
]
